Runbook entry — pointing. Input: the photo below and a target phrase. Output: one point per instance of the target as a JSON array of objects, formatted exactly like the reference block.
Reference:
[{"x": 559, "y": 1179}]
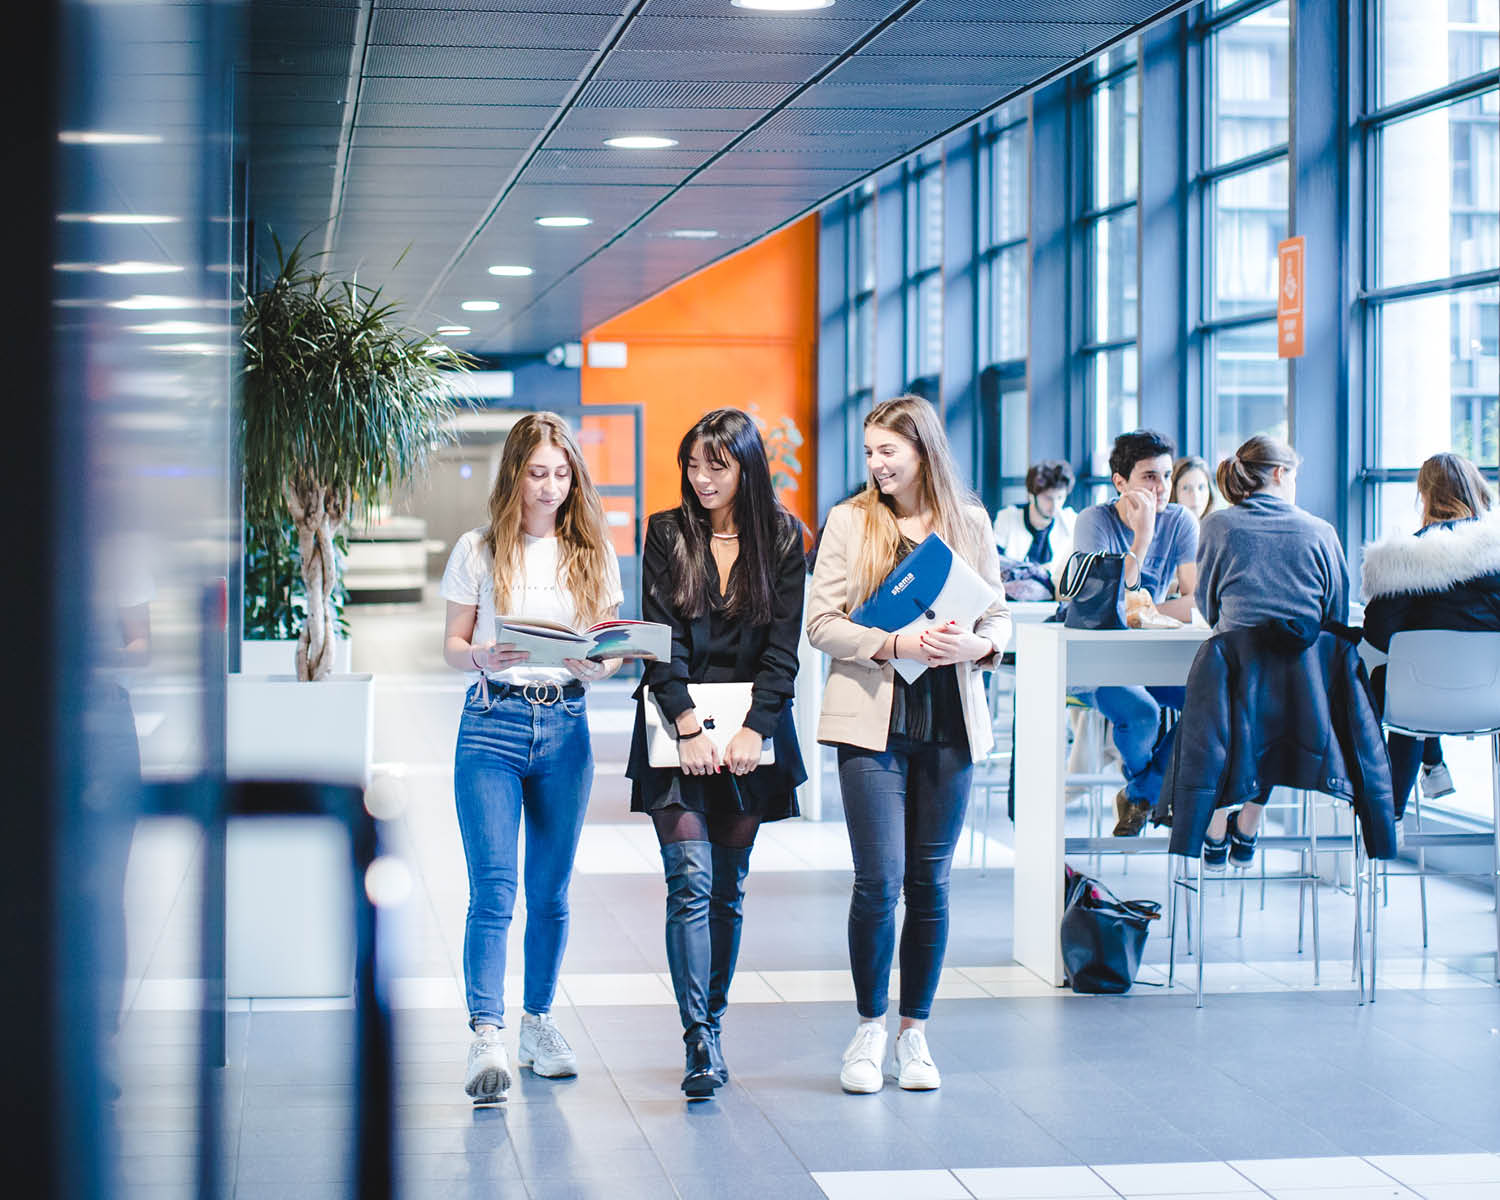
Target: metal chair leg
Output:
[
  {"x": 1495, "y": 795},
  {"x": 1198, "y": 904},
  {"x": 1172, "y": 873},
  {"x": 1312, "y": 853},
  {"x": 1416, "y": 799}
]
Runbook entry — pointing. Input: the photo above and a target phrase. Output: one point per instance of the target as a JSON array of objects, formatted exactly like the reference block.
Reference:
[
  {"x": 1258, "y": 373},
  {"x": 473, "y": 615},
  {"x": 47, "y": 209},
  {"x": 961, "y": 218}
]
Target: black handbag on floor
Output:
[
  {"x": 1092, "y": 588},
  {"x": 1103, "y": 936}
]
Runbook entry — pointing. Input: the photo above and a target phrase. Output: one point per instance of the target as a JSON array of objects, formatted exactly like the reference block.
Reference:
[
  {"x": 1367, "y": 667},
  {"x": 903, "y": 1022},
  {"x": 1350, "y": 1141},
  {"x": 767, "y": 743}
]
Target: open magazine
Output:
[
  {"x": 930, "y": 586},
  {"x": 549, "y": 643}
]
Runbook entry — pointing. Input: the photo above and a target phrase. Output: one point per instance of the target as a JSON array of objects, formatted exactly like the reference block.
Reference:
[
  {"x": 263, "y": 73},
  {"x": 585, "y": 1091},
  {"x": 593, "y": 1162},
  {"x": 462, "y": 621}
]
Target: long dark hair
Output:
[{"x": 764, "y": 526}]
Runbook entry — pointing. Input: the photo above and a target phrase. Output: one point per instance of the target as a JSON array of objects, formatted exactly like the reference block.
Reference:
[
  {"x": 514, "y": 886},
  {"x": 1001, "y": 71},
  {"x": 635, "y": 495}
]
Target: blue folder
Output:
[{"x": 909, "y": 591}]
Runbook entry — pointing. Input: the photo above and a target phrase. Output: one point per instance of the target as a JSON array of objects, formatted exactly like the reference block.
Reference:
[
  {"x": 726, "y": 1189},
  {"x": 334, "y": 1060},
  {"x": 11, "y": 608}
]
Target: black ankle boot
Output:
[
  {"x": 716, "y": 1057},
  {"x": 699, "y": 1080}
]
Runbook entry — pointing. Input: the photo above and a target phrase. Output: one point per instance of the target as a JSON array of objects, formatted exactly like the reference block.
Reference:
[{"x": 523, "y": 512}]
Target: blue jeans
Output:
[
  {"x": 516, "y": 759},
  {"x": 904, "y": 807},
  {"x": 1135, "y": 712}
]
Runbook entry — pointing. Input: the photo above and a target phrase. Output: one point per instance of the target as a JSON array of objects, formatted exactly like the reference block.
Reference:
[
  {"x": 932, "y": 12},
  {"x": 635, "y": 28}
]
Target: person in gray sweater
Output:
[{"x": 1263, "y": 559}]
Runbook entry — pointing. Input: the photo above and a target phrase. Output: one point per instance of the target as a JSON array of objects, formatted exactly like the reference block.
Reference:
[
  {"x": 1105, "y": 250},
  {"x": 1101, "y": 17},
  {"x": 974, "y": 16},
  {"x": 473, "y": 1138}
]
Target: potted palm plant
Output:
[{"x": 339, "y": 403}]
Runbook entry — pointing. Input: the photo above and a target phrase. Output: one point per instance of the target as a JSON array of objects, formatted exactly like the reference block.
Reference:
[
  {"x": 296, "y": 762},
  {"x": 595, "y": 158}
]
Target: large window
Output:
[
  {"x": 1243, "y": 189},
  {"x": 1005, "y": 253},
  {"x": 924, "y": 268},
  {"x": 1431, "y": 141},
  {"x": 1110, "y": 228}
]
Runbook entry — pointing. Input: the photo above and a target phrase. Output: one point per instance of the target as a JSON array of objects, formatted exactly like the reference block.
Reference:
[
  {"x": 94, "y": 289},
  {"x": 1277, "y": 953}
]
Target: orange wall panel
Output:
[{"x": 742, "y": 334}]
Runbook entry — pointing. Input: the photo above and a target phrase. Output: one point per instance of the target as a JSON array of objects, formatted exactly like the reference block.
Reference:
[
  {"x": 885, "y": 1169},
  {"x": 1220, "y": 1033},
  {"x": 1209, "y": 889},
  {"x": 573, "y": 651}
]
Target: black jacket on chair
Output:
[{"x": 1276, "y": 706}]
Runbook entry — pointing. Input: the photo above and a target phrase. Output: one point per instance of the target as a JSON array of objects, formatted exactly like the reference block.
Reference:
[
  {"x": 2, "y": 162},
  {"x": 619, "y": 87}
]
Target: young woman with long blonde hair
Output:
[
  {"x": 523, "y": 741},
  {"x": 905, "y": 751}
]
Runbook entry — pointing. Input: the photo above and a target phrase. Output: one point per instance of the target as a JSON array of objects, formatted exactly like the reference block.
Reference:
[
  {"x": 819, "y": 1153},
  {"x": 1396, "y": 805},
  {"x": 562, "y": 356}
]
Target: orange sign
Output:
[{"x": 1289, "y": 255}]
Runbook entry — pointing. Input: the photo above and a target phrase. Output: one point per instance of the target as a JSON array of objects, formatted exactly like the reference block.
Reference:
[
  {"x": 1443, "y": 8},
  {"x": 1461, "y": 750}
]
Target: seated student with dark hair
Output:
[
  {"x": 1160, "y": 542},
  {"x": 1040, "y": 530}
]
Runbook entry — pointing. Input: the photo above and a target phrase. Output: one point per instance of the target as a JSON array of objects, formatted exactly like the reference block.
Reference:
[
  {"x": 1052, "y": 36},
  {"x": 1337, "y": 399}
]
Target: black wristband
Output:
[{"x": 683, "y": 737}]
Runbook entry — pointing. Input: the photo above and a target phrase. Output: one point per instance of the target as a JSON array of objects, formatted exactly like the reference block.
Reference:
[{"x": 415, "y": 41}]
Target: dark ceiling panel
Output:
[
  {"x": 422, "y": 158},
  {"x": 447, "y": 62},
  {"x": 467, "y": 116},
  {"x": 854, "y": 122},
  {"x": 942, "y": 70},
  {"x": 965, "y": 97},
  {"x": 711, "y": 66},
  {"x": 743, "y": 35},
  {"x": 384, "y": 89},
  {"x": 560, "y": 7},
  {"x": 1007, "y": 38},
  {"x": 1080, "y": 12},
  {"x": 449, "y": 137},
  {"x": 447, "y": 27},
  {"x": 678, "y": 94},
  {"x": 599, "y": 123}
]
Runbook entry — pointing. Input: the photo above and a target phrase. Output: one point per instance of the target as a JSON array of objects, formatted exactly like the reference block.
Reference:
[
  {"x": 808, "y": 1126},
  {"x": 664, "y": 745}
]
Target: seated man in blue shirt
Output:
[{"x": 1160, "y": 541}]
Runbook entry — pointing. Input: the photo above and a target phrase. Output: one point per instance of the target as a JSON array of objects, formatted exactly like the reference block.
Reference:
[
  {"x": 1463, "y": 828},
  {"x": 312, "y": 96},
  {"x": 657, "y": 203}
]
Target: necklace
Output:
[{"x": 726, "y": 537}]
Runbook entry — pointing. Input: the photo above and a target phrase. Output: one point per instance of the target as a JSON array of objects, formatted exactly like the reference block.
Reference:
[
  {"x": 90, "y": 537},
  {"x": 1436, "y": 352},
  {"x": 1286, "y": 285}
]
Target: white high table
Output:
[{"x": 1050, "y": 659}]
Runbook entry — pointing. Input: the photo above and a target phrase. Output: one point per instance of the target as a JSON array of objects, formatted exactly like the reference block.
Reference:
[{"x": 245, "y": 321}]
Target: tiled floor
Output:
[{"x": 1274, "y": 1088}]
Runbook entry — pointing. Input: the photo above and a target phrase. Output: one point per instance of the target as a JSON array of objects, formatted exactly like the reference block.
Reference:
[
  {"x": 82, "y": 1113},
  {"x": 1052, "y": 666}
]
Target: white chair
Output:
[{"x": 1446, "y": 683}]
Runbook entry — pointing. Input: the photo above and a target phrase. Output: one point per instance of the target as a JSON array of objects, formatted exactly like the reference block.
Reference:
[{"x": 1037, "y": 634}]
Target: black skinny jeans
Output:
[{"x": 904, "y": 807}]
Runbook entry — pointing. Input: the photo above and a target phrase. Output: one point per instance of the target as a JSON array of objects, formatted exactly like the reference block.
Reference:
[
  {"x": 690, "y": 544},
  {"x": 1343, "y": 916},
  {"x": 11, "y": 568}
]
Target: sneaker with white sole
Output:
[
  {"x": 915, "y": 1070},
  {"x": 1437, "y": 781},
  {"x": 544, "y": 1049},
  {"x": 487, "y": 1076},
  {"x": 863, "y": 1071}
]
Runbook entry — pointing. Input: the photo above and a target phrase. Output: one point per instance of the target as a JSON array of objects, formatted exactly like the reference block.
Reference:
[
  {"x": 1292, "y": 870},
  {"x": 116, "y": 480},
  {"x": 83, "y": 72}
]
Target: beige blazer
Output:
[{"x": 857, "y": 701}]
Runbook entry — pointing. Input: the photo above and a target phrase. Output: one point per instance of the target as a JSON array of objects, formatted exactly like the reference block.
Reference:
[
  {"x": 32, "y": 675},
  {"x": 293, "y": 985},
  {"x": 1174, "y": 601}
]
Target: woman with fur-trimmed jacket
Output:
[{"x": 1445, "y": 576}]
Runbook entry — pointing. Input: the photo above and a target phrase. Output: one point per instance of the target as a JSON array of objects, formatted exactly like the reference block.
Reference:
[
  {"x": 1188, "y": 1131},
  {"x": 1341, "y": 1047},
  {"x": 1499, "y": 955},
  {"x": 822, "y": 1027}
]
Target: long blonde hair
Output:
[
  {"x": 582, "y": 537},
  {"x": 914, "y": 419}
]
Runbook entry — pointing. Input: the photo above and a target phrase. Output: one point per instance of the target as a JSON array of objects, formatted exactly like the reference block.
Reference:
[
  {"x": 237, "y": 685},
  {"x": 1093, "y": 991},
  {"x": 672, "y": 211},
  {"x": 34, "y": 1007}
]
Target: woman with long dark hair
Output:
[
  {"x": 523, "y": 749},
  {"x": 725, "y": 570},
  {"x": 906, "y": 750}
]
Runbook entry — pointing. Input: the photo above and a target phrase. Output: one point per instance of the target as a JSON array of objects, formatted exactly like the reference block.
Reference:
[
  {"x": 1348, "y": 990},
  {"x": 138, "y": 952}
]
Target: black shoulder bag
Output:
[
  {"x": 1103, "y": 936},
  {"x": 1093, "y": 588}
]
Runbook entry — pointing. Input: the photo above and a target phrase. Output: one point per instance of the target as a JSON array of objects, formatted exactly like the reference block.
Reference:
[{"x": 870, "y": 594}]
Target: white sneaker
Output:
[
  {"x": 544, "y": 1049},
  {"x": 1436, "y": 781},
  {"x": 915, "y": 1070},
  {"x": 487, "y": 1076},
  {"x": 863, "y": 1071}
]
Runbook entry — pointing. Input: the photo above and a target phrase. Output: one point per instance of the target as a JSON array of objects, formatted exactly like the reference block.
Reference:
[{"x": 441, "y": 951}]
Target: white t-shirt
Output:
[{"x": 470, "y": 579}]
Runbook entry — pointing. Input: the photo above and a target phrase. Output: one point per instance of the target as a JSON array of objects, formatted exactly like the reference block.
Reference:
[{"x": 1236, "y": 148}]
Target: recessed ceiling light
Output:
[
  {"x": 452, "y": 330},
  {"x": 156, "y": 302},
  {"x": 563, "y": 222},
  {"x": 782, "y": 5},
  {"x": 480, "y": 305},
  {"x": 98, "y": 137},
  {"x": 117, "y": 218},
  {"x": 702, "y": 234},
  {"x": 513, "y": 271},
  {"x": 640, "y": 141},
  {"x": 121, "y": 268}
]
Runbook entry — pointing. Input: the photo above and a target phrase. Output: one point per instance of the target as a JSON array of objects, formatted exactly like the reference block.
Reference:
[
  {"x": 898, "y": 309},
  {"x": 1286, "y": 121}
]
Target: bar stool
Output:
[{"x": 1446, "y": 683}]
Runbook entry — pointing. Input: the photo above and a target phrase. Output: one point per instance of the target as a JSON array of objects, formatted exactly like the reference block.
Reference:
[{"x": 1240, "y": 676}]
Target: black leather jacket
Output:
[{"x": 1277, "y": 706}]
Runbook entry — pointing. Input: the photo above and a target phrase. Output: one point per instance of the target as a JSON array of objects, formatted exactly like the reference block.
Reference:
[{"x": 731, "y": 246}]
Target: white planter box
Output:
[
  {"x": 290, "y": 909},
  {"x": 279, "y": 657}
]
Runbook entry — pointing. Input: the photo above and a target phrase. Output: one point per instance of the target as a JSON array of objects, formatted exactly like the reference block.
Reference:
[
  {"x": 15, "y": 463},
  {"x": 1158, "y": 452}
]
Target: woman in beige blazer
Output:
[{"x": 906, "y": 751}]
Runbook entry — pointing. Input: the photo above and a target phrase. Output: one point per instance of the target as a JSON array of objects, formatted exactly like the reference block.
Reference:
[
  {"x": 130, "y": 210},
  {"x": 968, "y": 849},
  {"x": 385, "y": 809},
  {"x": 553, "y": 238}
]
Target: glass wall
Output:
[
  {"x": 924, "y": 270},
  {"x": 1004, "y": 301},
  {"x": 1433, "y": 232},
  {"x": 1244, "y": 189},
  {"x": 1110, "y": 225}
]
